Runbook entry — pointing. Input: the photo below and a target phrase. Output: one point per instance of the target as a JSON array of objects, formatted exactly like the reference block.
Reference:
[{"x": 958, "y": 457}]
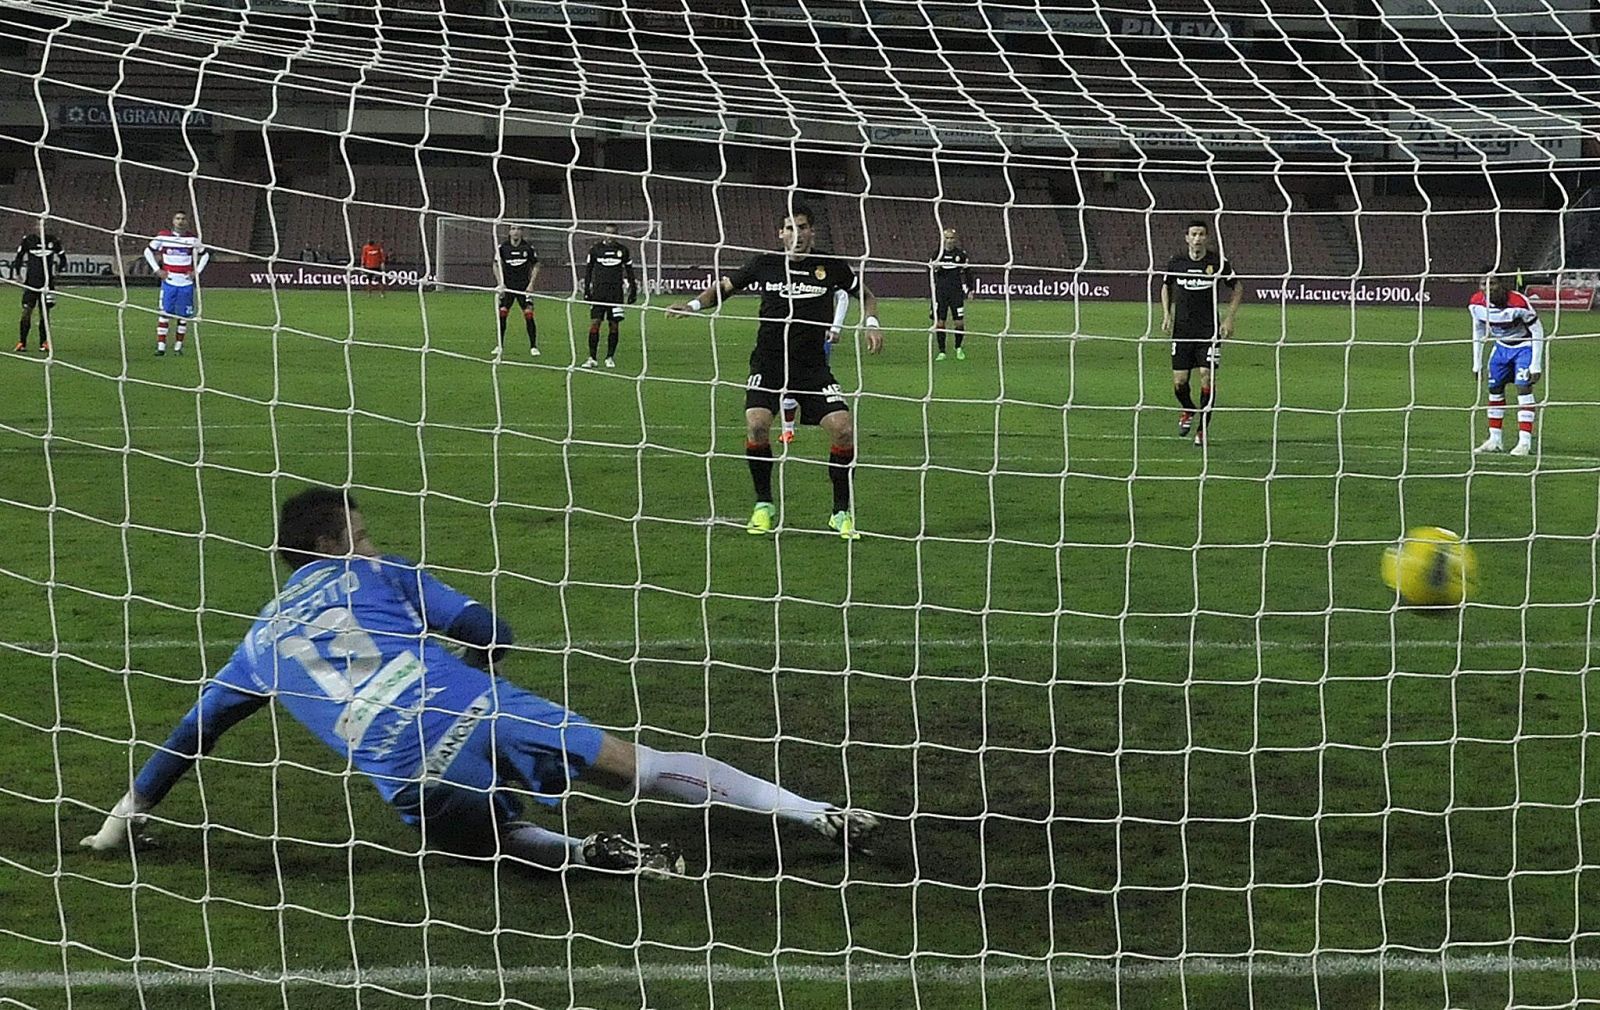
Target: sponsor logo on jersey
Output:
[
  {"x": 445, "y": 752},
  {"x": 795, "y": 289}
]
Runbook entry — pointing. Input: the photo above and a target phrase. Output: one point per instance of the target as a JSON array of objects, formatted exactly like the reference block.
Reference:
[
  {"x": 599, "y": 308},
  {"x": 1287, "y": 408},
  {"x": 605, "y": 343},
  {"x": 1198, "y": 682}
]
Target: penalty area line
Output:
[
  {"x": 646, "y": 644},
  {"x": 931, "y": 970}
]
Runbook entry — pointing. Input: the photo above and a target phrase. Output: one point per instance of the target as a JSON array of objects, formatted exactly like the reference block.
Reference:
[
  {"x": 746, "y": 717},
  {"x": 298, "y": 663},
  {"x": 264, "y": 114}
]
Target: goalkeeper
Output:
[{"x": 349, "y": 649}]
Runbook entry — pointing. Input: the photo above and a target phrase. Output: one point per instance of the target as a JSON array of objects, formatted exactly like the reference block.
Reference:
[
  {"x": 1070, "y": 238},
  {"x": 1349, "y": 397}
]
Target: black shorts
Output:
[
  {"x": 949, "y": 307},
  {"x": 508, "y": 298},
  {"x": 1189, "y": 353},
  {"x": 605, "y": 310},
  {"x": 32, "y": 297},
  {"x": 814, "y": 389}
]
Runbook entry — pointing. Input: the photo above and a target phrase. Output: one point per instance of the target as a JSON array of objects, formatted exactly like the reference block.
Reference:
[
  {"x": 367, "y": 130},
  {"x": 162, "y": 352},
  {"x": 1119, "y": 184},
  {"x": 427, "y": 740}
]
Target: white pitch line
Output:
[
  {"x": 645, "y": 645},
  {"x": 932, "y": 970},
  {"x": 1216, "y": 456}
]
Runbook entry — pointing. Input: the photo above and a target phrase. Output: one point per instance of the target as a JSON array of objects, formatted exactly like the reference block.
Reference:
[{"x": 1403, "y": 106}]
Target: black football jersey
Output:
[
  {"x": 608, "y": 276},
  {"x": 796, "y": 301},
  {"x": 39, "y": 261},
  {"x": 1194, "y": 285},
  {"x": 951, "y": 274},
  {"x": 516, "y": 264}
]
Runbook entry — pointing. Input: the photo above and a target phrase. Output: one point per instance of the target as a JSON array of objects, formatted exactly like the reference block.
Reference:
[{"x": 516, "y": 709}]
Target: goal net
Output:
[
  {"x": 464, "y": 249},
  {"x": 1111, "y": 659}
]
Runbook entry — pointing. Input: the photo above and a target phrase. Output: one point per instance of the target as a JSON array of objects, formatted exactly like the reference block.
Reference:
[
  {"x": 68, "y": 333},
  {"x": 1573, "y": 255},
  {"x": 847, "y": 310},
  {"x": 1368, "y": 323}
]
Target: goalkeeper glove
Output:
[{"x": 124, "y": 823}]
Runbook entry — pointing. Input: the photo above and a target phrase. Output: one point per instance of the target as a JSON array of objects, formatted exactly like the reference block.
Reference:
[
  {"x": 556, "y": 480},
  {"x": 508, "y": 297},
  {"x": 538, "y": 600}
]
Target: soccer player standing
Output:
[
  {"x": 1518, "y": 357},
  {"x": 177, "y": 257},
  {"x": 516, "y": 267},
  {"x": 373, "y": 260},
  {"x": 350, "y": 648},
  {"x": 952, "y": 283},
  {"x": 798, "y": 288},
  {"x": 1189, "y": 316},
  {"x": 40, "y": 259},
  {"x": 608, "y": 281}
]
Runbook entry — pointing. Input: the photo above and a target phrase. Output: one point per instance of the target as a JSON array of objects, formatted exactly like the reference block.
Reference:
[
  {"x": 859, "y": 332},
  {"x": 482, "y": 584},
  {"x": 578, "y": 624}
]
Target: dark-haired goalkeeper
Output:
[
  {"x": 39, "y": 261},
  {"x": 799, "y": 289},
  {"x": 351, "y": 649}
]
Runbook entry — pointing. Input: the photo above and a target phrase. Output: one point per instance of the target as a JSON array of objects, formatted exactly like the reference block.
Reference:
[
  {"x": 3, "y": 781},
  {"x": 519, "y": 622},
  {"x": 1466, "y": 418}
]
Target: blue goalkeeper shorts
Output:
[
  {"x": 177, "y": 300},
  {"x": 529, "y": 745}
]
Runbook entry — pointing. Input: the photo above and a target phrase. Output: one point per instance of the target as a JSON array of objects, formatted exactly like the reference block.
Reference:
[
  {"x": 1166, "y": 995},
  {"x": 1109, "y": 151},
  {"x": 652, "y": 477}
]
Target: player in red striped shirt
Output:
[{"x": 1505, "y": 315}]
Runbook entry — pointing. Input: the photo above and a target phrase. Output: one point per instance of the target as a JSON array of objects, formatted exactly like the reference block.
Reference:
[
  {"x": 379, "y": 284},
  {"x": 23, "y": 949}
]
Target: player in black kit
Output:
[
  {"x": 1189, "y": 316},
  {"x": 39, "y": 261},
  {"x": 608, "y": 281},
  {"x": 803, "y": 294},
  {"x": 952, "y": 283},
  {"x": 516, "y": 267}
]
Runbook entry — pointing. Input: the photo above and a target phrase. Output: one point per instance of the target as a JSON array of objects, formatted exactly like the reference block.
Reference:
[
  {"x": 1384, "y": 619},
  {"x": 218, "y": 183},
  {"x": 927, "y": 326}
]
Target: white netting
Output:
[
  {"x": 1144, "y": 725},
  {"x": 562, "y": 246}
]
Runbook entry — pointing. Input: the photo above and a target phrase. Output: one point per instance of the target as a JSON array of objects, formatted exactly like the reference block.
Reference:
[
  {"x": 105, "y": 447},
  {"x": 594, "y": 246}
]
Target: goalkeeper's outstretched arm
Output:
[{"x": 220, "y": 708}]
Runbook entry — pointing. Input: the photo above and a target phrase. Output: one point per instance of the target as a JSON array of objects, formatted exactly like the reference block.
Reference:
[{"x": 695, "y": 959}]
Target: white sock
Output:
[
  {"x": 695, "y": 778},
  {"x": 540, "y": 846},
  {"x": 791, "y": 408}
]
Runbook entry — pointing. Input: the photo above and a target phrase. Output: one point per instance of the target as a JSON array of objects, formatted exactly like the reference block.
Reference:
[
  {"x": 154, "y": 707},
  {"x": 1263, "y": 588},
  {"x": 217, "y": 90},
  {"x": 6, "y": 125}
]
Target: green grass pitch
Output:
[{"x": 1118, "y": 698}]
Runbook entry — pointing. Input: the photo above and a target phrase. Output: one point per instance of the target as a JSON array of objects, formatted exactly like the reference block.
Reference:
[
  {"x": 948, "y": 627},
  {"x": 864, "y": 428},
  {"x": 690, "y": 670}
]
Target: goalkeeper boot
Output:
[
  {"x": 1490, "y": 445},
  {"x": 534, "y": 352},
  {"x": 1185, "y": 423},
  {"x": 1522, "y": 448},
  {"x": 762, "y": 519},
  {"x": 845, "y": 525},
  {"x": 961, "y": 354},
  {"x": 22, "y": 345},
  {"x": 44, "y": 347},
  {"x": 589, "y": 364},
  {"x": 611, "y": 362},
  {"x": 852, "y": 829},
  {"x": 606, "y": 851},
  {"x": 939, "y": 357}
]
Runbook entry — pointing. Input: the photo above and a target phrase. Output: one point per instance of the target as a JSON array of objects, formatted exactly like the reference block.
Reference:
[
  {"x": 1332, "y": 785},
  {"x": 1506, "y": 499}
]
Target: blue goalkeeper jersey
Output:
[{"x": 346, "y": 649}]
